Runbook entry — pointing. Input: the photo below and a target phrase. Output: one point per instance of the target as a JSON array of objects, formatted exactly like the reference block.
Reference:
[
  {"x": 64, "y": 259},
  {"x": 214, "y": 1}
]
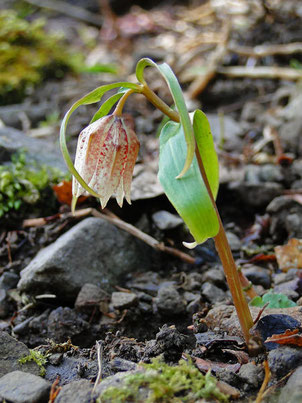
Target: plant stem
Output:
[
  {"x": 159, "y": 104},
  {"x": 228, "y": 263},
  {"x": 120, "y": 105}
]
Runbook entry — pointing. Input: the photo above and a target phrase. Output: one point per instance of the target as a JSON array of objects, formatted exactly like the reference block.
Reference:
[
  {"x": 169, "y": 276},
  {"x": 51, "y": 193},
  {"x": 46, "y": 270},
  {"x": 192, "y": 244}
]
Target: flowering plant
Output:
[{"x": 188, "y": 164}]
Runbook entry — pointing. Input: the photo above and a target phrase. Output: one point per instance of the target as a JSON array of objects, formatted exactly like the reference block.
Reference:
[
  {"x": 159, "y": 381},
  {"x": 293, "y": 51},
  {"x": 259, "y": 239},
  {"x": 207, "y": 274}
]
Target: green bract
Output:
[{"x": 189, "y": 194}]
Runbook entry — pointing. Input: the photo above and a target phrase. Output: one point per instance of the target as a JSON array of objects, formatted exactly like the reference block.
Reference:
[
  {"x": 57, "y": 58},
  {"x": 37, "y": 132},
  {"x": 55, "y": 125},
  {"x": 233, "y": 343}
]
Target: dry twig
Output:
[
  {"x": 267, "y": 50},
  {"x": 283, "y": 73}
]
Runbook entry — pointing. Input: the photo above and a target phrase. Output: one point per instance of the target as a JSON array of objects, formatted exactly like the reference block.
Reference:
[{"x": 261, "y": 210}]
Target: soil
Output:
[{"x": 169, "y": 306}]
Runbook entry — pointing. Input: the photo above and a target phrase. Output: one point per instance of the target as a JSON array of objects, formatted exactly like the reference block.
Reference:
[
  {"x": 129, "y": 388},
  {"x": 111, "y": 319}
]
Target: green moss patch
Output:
[{"x": 165, "y": 383}]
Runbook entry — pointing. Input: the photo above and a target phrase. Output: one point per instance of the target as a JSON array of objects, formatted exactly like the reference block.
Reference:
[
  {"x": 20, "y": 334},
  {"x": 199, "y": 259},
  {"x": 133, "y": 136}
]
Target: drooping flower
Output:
[{"x": 106, "y": 153}]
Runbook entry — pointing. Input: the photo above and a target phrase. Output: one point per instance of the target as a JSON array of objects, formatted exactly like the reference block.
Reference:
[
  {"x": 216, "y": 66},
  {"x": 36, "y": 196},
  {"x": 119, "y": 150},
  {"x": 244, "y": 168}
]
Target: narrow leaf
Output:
[
  {"x": 106, "y": 106},
  {"x": 179, "y": 101}
]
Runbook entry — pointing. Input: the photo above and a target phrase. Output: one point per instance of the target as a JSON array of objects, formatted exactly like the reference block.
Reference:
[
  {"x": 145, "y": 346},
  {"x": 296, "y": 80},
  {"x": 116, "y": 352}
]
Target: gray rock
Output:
[
  {"x": 22, "y": 387},
  {"x": 234, "y": 241},
  {"x": 232, "y": 131},
  {"x": 251, "y": 374},
  {"x": 256, "y": 195},
  {"x": 297, "y": 168},
  {"x": 64, "y": 323},
  {"x": 123, "y": 300},
  {"x": 42, "y": 151},
  {"x": 290, "y": 135},
  {"x": 4, "y": 307},
  {"x": 75, "y": 392},
  {"x": 114, "y": 381},
  {"x": 258, "y": 275},
  {"x": 165, "y": 220},
  {"x": 286, "y": 217},
  {"x": 93, "y": 251},
  {"x": 71, "y": 369},
  {"x": 169, "y": 302},
  {"x": 8, "y": 280},
  {"x": 215, "y": 276},
  {"x": 89, "y": 296},
  {"x": 212, "y": 293},
  {"x": 11, "y": 350},
  {"x": 292, "y": 392},
  {"x": 284, "y": 359}
]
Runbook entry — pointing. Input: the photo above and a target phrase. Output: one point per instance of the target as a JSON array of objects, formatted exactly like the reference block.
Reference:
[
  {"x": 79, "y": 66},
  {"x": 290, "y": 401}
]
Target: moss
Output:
[
  {"x": 22, "y": 183},
  {"x": 164, "y": 383},
  {"x": 36, "y": 356},
  {"x": 28, "y": 54}
]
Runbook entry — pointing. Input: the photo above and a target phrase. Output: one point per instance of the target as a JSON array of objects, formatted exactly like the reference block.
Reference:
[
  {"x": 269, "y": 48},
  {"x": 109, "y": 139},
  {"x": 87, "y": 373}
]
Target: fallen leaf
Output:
[
  {"x": 63, "y": 192},
  {"x": 261, "y": 257},
  {"x": 205, "y": 365},
  {"x": 289, "y": 337},
  {"x": 290, "y": 255}
]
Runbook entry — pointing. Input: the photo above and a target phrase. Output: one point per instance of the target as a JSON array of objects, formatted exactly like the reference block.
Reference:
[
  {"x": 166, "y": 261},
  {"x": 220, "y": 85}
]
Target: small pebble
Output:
[
  {"x": 123, "y": 300},
  {"x": 165, "y": 220},
  {"x": 212, "y": 293}
]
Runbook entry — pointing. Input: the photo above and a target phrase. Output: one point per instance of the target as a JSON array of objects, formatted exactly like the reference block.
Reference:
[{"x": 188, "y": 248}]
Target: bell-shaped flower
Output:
[{"x": 106, "y": 153}]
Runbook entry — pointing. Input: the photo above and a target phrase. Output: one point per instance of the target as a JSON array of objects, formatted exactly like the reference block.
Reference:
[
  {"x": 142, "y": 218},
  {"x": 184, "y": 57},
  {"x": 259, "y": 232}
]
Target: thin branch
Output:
[
  {"x": 283, "y": 73},
  {"x": 267, "y": 50}
]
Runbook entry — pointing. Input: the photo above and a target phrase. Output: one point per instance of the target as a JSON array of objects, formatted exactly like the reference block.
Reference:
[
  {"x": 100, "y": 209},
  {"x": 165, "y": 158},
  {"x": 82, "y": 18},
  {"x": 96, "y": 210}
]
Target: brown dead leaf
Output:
[
  {"x": 289, "y": 337},
  {"x": 63, "y": 192},
  {"x": 290, "y": 255},
  {"x": 205, "y": 365}
]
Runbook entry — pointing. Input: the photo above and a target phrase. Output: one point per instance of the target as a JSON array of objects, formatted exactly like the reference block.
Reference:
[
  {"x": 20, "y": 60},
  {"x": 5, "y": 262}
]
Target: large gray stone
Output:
[
  {"x": 21, "y": 387},
  {"x": 43, "y": 151},
  {"x": 292, "y": 392},
  {"x": 11, "y": 350},
  {"x": 93, "y": 251},
  {"x": 75, "y": 392}
]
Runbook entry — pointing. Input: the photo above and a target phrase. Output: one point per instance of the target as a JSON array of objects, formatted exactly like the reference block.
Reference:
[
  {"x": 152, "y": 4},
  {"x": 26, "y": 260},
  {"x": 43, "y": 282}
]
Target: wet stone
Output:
[
  {"x": 292, "y": 392},
  {"x": 212, "y": 293},
  {"x": 75, "y": 392},
  {"x": 123, "y": 300},
  {"x": 165, "y": 220},
  {"x": 22, "y": 387},
  {"x": 11, "y": 350},
  {"x": 169, "y": 302},
  {"x": 284, "y": 359}
]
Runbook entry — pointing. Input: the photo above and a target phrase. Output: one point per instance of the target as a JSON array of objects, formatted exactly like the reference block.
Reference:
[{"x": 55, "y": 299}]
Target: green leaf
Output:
[
  {"x": 189, "y": 194},
  {"x": 106, "y": 106},
  {"x": 206, "y": 147},
  {"x": 91, "y": 98},
  {"x": 274, "y": 300},
  {"x": 179, "y": 101}
]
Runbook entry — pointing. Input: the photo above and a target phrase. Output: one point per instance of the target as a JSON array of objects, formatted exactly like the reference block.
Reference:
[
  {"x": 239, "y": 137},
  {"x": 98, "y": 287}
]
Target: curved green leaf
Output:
[
  {"x": 179, "y": 101},
  {"x": 188, "y": 194},
  {"x": 106, "y": 106},
  {"x": 92, "y": 97},
  {"x": 206, "y": 147}
]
